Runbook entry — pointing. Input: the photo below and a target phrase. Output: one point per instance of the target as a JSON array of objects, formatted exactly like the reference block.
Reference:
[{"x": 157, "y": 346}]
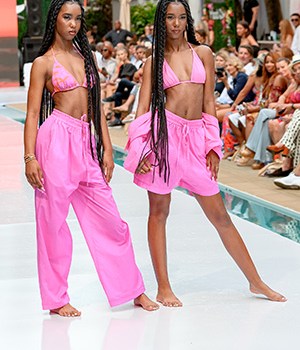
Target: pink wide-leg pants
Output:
[{"x": 72, "y": 176}]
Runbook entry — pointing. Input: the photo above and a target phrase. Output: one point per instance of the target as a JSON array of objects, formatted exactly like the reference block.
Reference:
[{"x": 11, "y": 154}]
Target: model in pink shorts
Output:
[
  {"x": 189, "y": 143},
  {"x": 175, "y": 141}
]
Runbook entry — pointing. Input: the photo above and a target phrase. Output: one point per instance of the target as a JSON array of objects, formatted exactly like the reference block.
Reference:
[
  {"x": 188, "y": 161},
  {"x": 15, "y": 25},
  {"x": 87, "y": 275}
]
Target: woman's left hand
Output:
[
  {"x": 212, "y": 163},
  {"x": 108, "y": 165}
]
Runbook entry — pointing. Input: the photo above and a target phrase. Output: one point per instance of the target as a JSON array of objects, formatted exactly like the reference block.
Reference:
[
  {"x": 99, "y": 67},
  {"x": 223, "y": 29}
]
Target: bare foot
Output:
[
  {"x": 262, "y": 288},
  {"x": 121, "y": 108},
  {"x": 146, "y": 303},
  {"x": 66, "y": 311},
  {"x": 168, "y": 298}
]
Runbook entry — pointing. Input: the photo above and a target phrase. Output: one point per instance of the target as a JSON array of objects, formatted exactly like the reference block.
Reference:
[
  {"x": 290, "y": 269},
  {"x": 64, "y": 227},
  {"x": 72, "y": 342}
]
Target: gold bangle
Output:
[
  {"x": 29, "y": 157},
  {"x": 29, "y": 160}
]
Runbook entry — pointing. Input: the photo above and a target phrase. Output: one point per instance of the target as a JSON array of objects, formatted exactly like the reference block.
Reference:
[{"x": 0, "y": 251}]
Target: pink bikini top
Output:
[
  {"x": 62, "y": 80},
  {"x": 198, "y": 75}
]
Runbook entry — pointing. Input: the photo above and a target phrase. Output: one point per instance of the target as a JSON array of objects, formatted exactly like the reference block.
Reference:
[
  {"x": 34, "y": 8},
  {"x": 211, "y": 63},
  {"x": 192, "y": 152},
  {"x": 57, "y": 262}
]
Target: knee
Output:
[
  {"x": 159, "y": 213},
  {"x": 159, "y": 209},
  {"x": 221, "y": 221}
]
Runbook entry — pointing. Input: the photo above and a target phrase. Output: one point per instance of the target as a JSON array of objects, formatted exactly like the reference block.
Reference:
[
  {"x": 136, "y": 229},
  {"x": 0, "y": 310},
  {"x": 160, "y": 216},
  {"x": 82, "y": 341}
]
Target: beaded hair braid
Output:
[
  {"x": 159, "y": 139},
  {"x": 81, "y": 44}
]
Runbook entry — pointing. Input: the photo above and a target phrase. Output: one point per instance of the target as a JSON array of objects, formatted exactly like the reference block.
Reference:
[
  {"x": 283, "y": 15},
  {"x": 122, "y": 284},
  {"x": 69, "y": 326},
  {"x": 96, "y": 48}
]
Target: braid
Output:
[
  {"x": 92, "y": 77},
  {"x": 47, "y": 104},
  {"x": 159, "y": 128},
  {"x": 93, "y": 86}
]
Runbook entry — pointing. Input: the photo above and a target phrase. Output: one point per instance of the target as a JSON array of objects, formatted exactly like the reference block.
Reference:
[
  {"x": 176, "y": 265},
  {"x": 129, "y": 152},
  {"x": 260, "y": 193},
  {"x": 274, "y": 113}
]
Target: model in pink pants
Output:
[{"x": 72, "y": 176}]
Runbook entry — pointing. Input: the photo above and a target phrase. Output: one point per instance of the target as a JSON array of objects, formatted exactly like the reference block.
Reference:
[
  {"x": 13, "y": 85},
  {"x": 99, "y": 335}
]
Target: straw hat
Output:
[{"x": 295, "y": 60}]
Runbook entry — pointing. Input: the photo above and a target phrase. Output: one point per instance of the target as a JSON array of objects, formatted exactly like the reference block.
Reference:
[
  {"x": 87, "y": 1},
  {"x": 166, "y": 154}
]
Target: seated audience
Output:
[
  {"x": 259, "y": 138},
  {"x": 246, "y": 55},
  {"x": 234, "y": 68}
]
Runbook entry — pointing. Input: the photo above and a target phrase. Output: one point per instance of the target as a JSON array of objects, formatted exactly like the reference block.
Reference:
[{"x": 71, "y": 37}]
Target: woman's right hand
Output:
[
  {"x": 144, "y": 166},
  {"x": 34, "y": 174}
]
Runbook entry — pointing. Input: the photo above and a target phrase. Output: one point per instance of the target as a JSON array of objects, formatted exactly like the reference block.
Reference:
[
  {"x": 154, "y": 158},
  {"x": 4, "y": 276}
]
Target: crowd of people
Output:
[
  {"x": 258, "y": 101},
  {"x": 249, "y": 80}
]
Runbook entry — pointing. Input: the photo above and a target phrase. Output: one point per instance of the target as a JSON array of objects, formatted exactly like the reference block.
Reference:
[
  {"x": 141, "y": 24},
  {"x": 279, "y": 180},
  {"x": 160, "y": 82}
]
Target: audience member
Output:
[
  {"x": 295, "y": 19},
  {"x": 106, "y": 64},
  {"x": 201, "y": 36},
  {"x": 234, "y": 67},
  {"x": 245, "y": 37},
  {"x": 250, "y": 14},
  {"x": 98, "y": 51},
  {"x": 123, "y": 81},
  {"x": 220, "y": 64},
  {"x": 246, "y": 55},
  {"x": 118, "y": 35},
  {"x": 95, "y": 34},
  {"x": 286, "y": 33}
]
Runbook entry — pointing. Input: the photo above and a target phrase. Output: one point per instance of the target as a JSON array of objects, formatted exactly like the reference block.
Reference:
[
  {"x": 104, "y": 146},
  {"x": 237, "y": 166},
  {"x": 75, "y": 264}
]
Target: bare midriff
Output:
[
  {"x": 72, "y": 102},
  {"x": 185, "y": 100}
]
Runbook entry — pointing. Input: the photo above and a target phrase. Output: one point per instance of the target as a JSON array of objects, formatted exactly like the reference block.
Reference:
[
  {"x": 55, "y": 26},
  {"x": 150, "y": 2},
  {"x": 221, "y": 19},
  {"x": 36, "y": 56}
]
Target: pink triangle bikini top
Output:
[
  {"x": 198, "y": 74},
  {"x": 62, "y": 80}
]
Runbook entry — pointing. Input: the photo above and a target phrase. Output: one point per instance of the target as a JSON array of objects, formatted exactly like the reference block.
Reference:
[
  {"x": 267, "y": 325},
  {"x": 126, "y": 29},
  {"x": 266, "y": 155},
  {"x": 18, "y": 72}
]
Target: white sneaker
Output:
[{"x": 291, "y": 182}]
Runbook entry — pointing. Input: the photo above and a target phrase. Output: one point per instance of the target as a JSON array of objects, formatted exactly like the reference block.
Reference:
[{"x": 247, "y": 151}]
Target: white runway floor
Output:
[{"x": 218, "y": 313}]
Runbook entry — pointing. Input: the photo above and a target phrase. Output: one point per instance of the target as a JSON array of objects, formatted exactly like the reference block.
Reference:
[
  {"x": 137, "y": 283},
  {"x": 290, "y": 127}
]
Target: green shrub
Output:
[{"x": 141, "y": 15}]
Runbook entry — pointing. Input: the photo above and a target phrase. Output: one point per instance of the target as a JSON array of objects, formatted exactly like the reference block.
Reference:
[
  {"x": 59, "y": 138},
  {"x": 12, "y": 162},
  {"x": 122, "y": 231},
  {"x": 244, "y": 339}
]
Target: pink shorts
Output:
[{"x": 189, "y": 143}]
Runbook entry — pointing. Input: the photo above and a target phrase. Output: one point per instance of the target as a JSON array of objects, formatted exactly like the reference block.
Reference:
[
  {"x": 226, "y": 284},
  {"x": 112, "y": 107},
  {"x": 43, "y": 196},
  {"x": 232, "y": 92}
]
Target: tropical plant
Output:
[
  {"x": 141, "y": 15},
  {"x": 222, "y": 15},
  {"x": 99, "y": 13}
]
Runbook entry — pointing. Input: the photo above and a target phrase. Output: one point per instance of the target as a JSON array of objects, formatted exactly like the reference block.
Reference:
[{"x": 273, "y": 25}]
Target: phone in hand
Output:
[{"x": 220, "y": 72}]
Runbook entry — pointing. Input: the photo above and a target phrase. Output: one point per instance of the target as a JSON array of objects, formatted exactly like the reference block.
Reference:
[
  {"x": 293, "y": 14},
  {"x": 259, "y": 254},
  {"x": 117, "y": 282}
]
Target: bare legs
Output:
[
  {"x": 159, "y": 210},
  {"x": 235, "y": 245}
]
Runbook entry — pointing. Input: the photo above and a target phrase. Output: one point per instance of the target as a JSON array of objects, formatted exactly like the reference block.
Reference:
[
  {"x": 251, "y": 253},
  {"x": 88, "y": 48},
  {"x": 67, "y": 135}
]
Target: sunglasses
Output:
[
  {"x": 294, "y": 19},
  {"x": 104, "y": 50}
]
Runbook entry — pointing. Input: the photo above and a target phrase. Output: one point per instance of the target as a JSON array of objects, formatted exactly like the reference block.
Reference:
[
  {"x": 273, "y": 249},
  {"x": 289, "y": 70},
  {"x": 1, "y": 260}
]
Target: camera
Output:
[{"x": 220, "y": 72}]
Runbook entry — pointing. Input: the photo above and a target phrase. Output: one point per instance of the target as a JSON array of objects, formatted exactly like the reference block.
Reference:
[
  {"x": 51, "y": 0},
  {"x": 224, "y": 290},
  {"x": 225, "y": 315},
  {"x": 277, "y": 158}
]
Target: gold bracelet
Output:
[
  {"x": 29, "y": 155},
  {"x": 28, "y": 158}
]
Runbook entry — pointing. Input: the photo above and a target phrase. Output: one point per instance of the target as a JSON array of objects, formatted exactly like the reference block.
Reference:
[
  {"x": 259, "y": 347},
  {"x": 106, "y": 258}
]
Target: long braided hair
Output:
[
  {"x": 159, "y": 130},
  {"x": 93, "y": 86}
]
